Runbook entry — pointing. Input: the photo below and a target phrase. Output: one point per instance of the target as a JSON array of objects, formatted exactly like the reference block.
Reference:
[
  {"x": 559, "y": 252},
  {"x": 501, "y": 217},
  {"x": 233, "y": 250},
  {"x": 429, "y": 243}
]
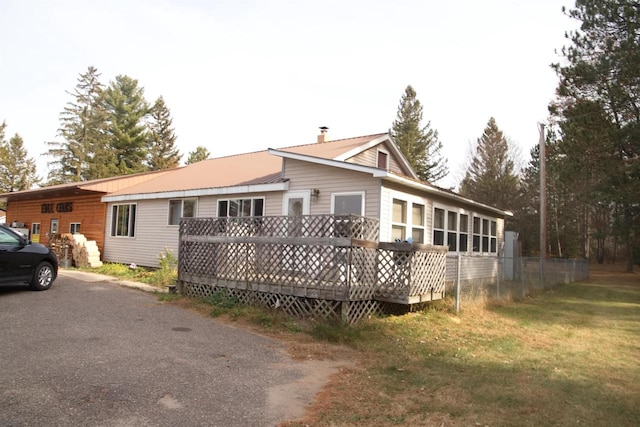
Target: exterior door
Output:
[{"x": 296, "y": 204}]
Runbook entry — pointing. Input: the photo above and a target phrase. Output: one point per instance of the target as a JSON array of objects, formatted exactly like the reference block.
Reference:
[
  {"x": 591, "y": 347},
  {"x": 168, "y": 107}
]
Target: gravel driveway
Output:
[{"x": 93, "y": 353}]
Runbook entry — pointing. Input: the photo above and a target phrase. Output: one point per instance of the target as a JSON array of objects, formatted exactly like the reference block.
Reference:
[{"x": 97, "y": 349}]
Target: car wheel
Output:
[{"x": 43, "y": 277}]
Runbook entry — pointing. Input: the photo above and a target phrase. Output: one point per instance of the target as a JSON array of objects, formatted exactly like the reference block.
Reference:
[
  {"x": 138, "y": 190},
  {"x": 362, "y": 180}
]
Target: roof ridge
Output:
[{"x": 335, "y": 140}]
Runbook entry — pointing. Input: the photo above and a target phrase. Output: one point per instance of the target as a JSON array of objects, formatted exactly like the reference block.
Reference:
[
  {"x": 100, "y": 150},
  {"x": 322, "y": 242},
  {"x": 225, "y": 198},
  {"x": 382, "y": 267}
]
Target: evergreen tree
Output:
[
  {"x": 602, "y": 67},
  {"x": 199, "y": 154},
  {"x": 491, "y": 178},
  {"x": 83, "y": 124},
  {"x": 420, "y": 145},
  {"x": 17, "y": 170},
  {"x": 162, "y": 152},
  {"x": 127, "y": 132}
]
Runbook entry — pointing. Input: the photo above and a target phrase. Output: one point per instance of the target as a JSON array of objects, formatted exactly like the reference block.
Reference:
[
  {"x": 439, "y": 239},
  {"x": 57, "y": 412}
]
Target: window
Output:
[
  {"x": 452, "y": 230},
  {"x": 399, "y": 220},
  {"x": 494, "y": 240},
  {"x": 35, "y": 228},
  {"x": 417, "y": 223},
  {"x": 181, "y": 208},
  {"x": 476, "y": 234},
  {"x": 485, "y": 235},
  {"x": 347, "y": 203},
  {"x": 74, "y": 228},
  {"x": 438, "y": 226},
  {"x": 54, "y": 227},
  {"x": 123, "y": 220},
  {"x": 240, "y": 207},
  {"x": 464, "y": 233},
  {"x": 8, "y": 239},
  {"x": 383, "y": 160}
]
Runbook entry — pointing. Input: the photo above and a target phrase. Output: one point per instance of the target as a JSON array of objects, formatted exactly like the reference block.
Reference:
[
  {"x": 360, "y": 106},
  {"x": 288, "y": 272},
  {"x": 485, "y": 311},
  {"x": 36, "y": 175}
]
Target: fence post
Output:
[
  {"x": 522, "y": 275},
  {"x": 459, "y": 263},
  {"x": 499, "y": 270}
]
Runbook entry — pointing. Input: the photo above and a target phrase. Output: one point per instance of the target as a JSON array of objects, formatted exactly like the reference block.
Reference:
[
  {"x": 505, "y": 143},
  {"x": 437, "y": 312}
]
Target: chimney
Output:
[{"x": 323, "y": 137}]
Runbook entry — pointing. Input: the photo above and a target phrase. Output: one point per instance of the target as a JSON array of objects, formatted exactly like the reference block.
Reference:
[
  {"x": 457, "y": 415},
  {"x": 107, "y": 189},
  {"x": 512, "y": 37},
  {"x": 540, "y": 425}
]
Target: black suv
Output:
[{"x": 24, "y": 261}]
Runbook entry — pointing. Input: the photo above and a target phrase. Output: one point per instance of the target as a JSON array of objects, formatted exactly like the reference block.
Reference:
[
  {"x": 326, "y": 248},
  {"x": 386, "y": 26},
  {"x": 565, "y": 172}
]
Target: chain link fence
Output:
[{"x": 474, "y": 280}]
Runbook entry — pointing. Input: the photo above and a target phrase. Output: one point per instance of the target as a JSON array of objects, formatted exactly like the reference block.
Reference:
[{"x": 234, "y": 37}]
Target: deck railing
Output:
[{"x": 327, "y": 263}]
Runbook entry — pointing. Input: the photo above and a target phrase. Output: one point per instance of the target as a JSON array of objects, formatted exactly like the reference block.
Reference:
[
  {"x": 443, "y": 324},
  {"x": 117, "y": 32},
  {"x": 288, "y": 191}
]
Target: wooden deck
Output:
[{"x": 335, "y": 259}]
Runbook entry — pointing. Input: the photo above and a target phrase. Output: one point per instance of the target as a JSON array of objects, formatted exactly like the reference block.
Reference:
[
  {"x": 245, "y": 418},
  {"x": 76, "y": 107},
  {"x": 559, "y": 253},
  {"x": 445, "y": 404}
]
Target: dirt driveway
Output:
[{"x": 98, "y": 354}]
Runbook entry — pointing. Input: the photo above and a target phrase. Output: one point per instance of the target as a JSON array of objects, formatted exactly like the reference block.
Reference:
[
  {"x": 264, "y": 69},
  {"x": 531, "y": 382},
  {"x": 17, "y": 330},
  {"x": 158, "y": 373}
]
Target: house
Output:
[
  {"x": 366, "y": 176},
  {"x": 66, "y": 208}
]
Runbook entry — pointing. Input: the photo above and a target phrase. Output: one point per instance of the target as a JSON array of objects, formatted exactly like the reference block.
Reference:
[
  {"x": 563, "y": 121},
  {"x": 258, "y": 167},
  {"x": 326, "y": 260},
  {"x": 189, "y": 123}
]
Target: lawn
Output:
[{"x": 568, "y": 356}]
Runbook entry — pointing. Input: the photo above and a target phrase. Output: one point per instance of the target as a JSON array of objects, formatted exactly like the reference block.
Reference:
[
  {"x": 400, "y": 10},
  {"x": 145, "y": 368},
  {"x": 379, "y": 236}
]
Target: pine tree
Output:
[
  {"x": 490, "y": 178},
  {"x": 83, "y": 124},
  {"x": 127, "y": 132},
  {"x": 162, "y": 152},
  {"x": 602, "y": 66},
  {"x": 199, "y": 154},
  {"x": 17, "y": 170},
  {"x": 420, "y": 145}
]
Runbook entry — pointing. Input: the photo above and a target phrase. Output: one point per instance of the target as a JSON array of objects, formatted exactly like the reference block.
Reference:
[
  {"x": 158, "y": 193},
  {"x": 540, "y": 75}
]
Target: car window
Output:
[{"x": 8, "y": 239}]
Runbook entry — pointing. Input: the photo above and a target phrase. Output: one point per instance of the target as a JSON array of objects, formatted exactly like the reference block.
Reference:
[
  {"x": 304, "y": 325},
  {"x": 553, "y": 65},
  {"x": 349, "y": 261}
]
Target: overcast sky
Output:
[{"x": 247, "y": 75}]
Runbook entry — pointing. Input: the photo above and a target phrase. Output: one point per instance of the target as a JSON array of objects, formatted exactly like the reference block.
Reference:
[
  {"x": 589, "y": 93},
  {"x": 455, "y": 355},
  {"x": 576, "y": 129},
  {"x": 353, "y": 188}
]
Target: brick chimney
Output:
[{"x": 323, "y": 137}]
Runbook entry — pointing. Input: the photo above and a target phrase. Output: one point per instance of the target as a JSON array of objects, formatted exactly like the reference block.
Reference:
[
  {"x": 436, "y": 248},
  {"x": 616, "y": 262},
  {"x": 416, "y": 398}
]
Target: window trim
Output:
[{"x": 349, "y": 193}]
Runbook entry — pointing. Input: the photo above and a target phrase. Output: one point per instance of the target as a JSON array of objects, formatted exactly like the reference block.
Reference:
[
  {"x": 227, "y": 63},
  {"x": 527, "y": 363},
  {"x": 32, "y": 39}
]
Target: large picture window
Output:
[
  {"x": 347, "y": 203},
  {"x": 181, "y": 208},
  {"x": 123, "y": 220}
]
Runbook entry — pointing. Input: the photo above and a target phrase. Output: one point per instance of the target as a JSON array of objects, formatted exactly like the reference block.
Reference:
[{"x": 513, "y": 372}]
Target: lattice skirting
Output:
[{"x": 349, "y": 312}]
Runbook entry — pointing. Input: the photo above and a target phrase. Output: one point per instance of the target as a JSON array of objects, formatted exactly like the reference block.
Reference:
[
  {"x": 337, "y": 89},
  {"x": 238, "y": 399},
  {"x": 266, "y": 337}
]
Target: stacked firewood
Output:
[{"x": 85, "y": 252}]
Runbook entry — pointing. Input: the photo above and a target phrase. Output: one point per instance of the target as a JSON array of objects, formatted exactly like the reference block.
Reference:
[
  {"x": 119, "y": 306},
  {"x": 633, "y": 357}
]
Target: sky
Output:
[{"x": 247, "y": 75}]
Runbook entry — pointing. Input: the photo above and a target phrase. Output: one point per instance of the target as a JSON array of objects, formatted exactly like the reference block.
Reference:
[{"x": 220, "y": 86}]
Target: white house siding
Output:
[
  {"x": 305, "y": 176},
  {"x": 153, "y": 234}
]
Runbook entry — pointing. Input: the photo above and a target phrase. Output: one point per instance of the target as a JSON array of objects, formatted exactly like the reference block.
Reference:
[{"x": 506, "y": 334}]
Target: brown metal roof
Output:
[
  {"x": 332, "y": 149},
  {"x": 243, "y": 169},
  {"x": 103, "y": 185}
]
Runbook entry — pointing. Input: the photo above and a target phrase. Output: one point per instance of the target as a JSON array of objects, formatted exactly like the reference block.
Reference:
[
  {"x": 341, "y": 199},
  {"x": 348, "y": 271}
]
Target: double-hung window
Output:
[
  {"x": 463, "y": 236},
  {"x": 123, "y": 220},
  {"x": 438, "y": 226},
  {"x": 181, "y": 208},
  {"x": 399, "y": 220}
]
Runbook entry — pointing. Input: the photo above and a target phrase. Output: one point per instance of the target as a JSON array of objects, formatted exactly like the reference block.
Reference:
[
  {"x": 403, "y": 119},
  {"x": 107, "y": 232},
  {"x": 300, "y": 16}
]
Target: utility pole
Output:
[{"x": 543, "y": 202}]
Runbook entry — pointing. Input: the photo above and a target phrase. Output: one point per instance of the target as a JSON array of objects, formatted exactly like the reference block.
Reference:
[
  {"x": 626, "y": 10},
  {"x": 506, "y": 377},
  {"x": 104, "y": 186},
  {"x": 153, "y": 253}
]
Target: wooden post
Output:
[{"x": 458, "y": 284}]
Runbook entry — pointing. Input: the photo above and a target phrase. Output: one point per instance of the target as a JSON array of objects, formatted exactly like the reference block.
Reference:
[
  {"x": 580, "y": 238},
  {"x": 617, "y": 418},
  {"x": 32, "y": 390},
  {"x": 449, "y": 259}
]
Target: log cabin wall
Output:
[{"x": 88, "y": 211}]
